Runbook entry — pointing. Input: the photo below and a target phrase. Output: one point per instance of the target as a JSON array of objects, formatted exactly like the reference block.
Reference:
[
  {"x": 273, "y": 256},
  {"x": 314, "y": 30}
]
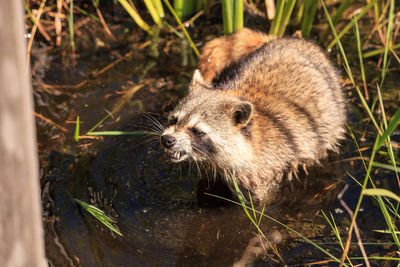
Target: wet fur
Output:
[{"x": 290, "y": 92}]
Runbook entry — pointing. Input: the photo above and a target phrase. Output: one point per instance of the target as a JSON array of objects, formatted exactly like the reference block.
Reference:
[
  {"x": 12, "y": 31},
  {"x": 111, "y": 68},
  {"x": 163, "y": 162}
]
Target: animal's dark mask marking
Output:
[
  {"x": 172, "y": 121},
  {"x": 202, "y": 144}
]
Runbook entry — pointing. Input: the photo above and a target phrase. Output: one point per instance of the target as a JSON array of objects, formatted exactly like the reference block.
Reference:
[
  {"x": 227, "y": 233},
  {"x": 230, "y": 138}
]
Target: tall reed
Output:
[{"x": 232, "y": 15}]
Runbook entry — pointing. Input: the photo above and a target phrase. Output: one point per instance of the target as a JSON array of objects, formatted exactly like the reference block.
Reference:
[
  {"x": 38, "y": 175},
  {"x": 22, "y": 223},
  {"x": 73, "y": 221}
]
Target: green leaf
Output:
[
  {"x": 385, "y": 166},
  {"x": 135, "y": 15},
  {"x": 99, "y": 215},
  {"x": 121, "y": 133},
  {"x": 393, "y": 123},
  {"x": 386, "y": 231},
  {"x": 76, "y": 135},
  {"x": 183, "y": 28},
  {"x": 381, "y": 192}
]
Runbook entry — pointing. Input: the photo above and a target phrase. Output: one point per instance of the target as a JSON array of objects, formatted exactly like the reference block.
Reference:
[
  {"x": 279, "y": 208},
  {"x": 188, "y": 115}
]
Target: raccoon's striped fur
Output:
[{"x": 280, "y": 107}]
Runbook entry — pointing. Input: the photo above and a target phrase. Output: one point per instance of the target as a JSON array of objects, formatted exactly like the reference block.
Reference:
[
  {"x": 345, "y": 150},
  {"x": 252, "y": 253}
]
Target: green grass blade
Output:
[
  {"x": 252, "y": 207},
  {"x": 105, "y": 118},
  {"x": 335, "y": 231},
  {"x": 338, "y": 15},
  {"x": 70, "y": 19},
  {"x": 388, "y": 218},
  {"x": 300, "y": 14},
  {"x": 227, "y": 16},
  {"x": 178, "y": 6},
  {"x": 385, "y": 231},
  {"x": 379, "y": 51},
  {"x": 159, "y": 8},
  {"x": 262, "y": 212},
  {"x": 308, "y": 17},
  {"x": 135, "y": 16},
  {"x": 99, "y": 215},
  {"x": 287, "y": 13},
  {"x": 184, "y": 8},
  {"x": 237, "y": 15},
  {"x": 377, "y": 258},
  {"x": 153, "y": 12},
  {"x": 242, "y": 203},
  {"x": 381, "y": 192},
  {"x": 84, "y": 12},
  {"x": 357, "y": 33},
  {"x": 388, "y": 41},
  {"x": 349, "y": 25},
  {"x": 387, "y": 140},
  {"x": 393, "y": 123},
  {"x": 361, "y": 156},
  {"x": 278, "y": 17},
  {"x": 386, "y": 166},
  {"x": 76, "y": 135},
  {"x": 284, "y": 225},
  {"x": 347, "y": 68},
  {"x": 28, "y": 10},
  {"x": 196, "y": 51},
  {"x": 121, "y": 133}
]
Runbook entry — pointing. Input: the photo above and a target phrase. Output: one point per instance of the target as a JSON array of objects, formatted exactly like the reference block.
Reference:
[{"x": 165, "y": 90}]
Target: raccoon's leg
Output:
[{"x": 222, "y": 52}]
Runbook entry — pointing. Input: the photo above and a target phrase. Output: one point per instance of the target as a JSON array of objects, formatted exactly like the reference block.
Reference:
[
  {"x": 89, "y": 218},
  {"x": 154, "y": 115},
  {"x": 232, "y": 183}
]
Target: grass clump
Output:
[{"x": 99, "y": 215}]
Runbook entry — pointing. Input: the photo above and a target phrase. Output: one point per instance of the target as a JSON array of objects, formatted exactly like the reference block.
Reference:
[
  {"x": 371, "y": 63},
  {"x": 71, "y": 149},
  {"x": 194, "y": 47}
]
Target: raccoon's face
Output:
[{"x": 205, "y": 125}]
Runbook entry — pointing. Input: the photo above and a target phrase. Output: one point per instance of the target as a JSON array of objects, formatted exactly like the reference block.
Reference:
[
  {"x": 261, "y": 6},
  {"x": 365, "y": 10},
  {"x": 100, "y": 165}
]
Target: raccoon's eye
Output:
[
  {"x": 172, "y": 121},
  {"x": 196, "y": 132}
]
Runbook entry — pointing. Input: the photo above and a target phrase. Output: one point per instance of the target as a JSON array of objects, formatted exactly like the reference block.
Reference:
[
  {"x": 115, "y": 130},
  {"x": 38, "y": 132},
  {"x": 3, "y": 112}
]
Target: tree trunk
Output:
[{"x": 21, "y": 230}]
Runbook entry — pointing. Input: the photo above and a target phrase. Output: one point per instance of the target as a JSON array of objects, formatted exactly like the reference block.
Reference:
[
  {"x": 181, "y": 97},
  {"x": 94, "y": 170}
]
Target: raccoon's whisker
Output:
[
  {"x": 151, "y": 141},
  {"x": 155, "y": 121},
  {"x": 205, "y": 169},
  {"x": 190, "y": 167},
  {"x": 214, "y": 170},
  {"x": 150, "y": 125},
  {"x": 180, "y": 166},
  {"x": 198, "y": 150},
  {"x": 152, "y": 129},
  {"x": 198, "y": 170},
  {"x": 174, "y": 103}
]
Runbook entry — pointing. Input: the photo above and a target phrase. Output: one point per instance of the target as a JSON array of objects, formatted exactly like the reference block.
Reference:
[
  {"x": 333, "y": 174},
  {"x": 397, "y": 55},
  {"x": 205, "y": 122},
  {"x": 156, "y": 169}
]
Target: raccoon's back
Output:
[{"x": 292, "y": 83}]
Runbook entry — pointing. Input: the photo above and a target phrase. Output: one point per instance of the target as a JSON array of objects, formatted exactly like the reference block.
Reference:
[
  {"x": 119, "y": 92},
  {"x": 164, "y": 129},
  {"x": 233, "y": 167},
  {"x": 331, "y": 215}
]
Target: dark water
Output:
[{"x": 160, "y": 208}]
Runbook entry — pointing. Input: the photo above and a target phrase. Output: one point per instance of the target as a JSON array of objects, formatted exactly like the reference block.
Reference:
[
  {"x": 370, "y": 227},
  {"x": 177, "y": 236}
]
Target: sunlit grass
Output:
[
  {"x": 130, "y": 8},
  {"x": 99, "y": 215},
  {"x": 349, "y": 25},
  {"x": 381, "y": 138},
  {"x": 70, "y": 18},
  {"x": 232, "y": 15},
  {"x": 247, "y": 208}
]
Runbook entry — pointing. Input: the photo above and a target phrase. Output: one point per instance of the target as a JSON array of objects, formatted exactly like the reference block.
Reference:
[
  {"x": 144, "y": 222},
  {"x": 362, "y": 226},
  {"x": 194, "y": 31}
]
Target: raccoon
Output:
[{"x": 278, "y": 108}]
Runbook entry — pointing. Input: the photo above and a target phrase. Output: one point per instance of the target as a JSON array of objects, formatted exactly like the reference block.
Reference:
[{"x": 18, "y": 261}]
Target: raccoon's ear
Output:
[
  {"x": 242, "y": 112},
  {"x": 197, "y": 81}
]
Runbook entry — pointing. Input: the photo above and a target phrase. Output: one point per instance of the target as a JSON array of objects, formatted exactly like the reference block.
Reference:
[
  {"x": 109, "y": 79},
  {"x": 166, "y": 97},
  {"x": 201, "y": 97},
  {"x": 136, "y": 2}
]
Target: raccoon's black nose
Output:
[{"x": 168, "y": 141}]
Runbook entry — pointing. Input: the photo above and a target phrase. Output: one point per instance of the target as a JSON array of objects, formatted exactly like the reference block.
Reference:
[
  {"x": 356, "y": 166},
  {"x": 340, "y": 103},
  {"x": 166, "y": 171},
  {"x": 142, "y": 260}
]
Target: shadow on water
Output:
[{"x": 161, "y": 209}]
